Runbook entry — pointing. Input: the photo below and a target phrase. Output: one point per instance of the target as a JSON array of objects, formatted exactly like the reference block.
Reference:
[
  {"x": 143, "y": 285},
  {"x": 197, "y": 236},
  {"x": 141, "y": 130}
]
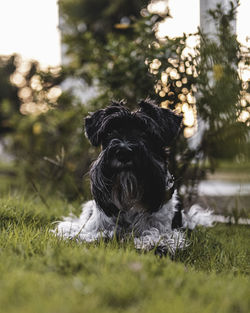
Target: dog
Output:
[{"x": 133, "y": 190}]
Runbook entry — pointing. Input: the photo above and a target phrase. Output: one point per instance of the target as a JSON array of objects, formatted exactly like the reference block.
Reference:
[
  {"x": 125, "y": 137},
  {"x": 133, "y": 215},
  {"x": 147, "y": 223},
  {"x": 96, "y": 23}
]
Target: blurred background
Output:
[{"x": 62, "y": 59}]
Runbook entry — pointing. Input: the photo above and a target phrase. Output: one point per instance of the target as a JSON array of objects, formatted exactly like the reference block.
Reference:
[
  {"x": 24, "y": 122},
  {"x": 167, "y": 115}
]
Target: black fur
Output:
[{"x": 131, "y": 171}]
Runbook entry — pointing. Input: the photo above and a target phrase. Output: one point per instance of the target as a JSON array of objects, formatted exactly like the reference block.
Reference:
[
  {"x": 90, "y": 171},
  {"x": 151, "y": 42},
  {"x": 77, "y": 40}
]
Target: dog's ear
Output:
[
  {"x": 92, "y": 125},
  {"x": 172, "y": 125},
  {"x": 95, "y": 122},
  {"x": 168, "y": 122}
]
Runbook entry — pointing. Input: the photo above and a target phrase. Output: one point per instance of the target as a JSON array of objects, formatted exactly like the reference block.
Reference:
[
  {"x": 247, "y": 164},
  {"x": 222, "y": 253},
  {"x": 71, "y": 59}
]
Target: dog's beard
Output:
[
  {"x": 126, "y": 192},
  {"x": 140, "y": 185}
]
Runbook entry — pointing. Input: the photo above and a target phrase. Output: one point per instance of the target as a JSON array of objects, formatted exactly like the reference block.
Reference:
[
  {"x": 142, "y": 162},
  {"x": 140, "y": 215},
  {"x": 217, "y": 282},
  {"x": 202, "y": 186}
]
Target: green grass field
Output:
[{"x": 42, "y": 273}]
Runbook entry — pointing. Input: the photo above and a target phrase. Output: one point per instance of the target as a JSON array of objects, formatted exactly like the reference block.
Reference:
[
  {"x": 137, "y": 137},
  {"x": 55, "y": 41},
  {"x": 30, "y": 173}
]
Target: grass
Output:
[{"x": 42, "y": 273}]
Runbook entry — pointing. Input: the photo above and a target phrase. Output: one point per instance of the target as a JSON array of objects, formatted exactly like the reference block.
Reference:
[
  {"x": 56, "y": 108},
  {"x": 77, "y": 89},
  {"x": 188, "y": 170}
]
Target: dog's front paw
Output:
[{"x": 161, "y": 251}]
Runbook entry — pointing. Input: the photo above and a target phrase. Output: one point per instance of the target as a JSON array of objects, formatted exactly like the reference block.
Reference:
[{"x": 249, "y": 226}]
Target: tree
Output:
[{"x": 128, "y": 61}]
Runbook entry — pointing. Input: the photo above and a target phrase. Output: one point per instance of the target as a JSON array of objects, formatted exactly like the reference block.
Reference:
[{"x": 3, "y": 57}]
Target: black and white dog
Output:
[{"x": 132, "y": 188}]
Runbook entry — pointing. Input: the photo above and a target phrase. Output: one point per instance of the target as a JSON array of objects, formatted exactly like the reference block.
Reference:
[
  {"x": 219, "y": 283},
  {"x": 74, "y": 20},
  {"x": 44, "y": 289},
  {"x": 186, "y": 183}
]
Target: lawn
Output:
[{"x": 42, "y": 273}]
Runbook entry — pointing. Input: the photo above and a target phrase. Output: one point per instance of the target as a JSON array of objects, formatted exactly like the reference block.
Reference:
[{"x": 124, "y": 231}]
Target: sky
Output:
[
  {"x": 186, "y": 18},
  {"x": 30, "y": 27}
]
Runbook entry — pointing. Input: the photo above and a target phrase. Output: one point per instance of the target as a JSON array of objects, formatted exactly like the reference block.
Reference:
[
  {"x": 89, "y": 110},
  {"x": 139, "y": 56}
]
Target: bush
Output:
[{"x": 114, "y": 47}]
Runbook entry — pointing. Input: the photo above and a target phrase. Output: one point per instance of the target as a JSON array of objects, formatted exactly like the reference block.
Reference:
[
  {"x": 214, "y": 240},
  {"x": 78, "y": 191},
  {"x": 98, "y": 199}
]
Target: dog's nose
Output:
[{"x": 123, "y": 153}]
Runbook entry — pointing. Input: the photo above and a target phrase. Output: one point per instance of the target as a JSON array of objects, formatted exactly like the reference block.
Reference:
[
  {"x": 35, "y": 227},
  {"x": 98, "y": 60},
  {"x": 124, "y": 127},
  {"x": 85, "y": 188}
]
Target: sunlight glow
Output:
[
  {"x": 158, "y": 7},
  {"x": 54, "y": 94},
  {"x": 185, "y": 18},
  {"x": 244, "y": 116},
  {"x": 30, "y": 28},
  {"x": 33, "y": 108}
]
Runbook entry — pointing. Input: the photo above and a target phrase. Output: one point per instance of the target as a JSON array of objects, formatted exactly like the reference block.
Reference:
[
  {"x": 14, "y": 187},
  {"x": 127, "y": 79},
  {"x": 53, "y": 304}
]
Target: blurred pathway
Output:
[
  {"x": 225, "y": 197},
  {"x": 223, "y": 188},
  {"x": 230, "y": 220}
]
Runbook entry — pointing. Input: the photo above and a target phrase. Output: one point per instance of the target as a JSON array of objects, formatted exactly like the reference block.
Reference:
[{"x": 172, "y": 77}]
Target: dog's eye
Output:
[
  {"x": 143, "y": 136},
  {"x": 112, "y": 134},
  {"x": 107, "y": 137}
]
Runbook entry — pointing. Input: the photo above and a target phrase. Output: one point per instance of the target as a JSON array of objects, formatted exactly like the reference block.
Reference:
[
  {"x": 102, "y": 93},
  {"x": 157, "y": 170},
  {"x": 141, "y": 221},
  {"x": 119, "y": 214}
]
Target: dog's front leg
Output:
[{"x": 162, "y": 243}]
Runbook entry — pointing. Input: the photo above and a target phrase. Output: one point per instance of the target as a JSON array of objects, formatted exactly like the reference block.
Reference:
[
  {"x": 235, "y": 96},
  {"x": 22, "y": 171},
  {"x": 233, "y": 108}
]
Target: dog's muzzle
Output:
[{"x": 121, "y": 155}]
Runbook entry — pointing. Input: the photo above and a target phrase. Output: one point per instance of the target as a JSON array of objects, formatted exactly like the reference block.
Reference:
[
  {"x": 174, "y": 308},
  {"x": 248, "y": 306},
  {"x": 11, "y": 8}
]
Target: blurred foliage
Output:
[
  {"x": 50, "y": 148},
  {"x": 202, "y": 79},
  {"x": 222, "y": 92},
  {"x": 98, "y": 17},
  {"x": 9, "y": 101},
  {"x": 114, "y": 47},
  {"x": 44, "y": 137}
]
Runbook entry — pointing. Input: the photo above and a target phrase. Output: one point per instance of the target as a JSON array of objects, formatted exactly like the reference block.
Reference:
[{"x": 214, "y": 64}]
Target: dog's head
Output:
[
  {"x": 131, "y": 169},
  {"x": 160, "y": 123}
]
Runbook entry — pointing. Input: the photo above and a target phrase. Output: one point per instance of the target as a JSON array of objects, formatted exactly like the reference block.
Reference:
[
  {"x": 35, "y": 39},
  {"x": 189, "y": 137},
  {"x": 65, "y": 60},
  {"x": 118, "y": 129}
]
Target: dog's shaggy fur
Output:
[{"x": 133, "y": 190}]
